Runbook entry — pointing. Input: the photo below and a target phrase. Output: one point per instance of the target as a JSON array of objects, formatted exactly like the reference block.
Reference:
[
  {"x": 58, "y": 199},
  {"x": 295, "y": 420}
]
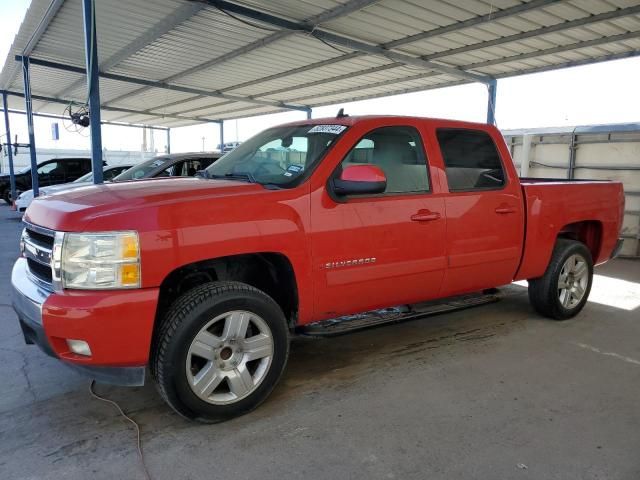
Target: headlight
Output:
[{"x": 95, "y": 261}]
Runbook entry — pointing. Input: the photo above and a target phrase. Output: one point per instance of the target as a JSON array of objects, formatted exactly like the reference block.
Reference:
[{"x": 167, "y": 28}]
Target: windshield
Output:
[
  {"x": 141, "y": 170},
  {"x": 277, "y": 156}
]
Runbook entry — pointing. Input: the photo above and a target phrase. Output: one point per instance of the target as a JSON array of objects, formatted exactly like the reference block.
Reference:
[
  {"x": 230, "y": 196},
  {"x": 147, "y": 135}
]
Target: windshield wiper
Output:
[{"x": 247, "y": 176}]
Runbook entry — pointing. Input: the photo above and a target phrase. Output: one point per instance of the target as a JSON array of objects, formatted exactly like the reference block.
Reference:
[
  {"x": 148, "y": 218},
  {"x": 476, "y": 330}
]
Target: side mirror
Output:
[{"x": 360, "y": 179}]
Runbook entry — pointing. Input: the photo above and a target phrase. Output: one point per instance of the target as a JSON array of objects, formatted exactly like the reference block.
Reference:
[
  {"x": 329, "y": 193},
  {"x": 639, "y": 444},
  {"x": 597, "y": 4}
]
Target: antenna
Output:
[{"x": 341, "y": 113}]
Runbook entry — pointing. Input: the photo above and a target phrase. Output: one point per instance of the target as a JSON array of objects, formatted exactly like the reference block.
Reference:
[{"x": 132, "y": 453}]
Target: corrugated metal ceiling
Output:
[{"x": 247, "y": 66}]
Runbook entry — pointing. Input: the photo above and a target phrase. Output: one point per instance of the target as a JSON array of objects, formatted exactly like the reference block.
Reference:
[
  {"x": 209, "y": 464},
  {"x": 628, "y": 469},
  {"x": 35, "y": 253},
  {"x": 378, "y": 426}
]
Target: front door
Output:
[{"x": 381, "y": 250}]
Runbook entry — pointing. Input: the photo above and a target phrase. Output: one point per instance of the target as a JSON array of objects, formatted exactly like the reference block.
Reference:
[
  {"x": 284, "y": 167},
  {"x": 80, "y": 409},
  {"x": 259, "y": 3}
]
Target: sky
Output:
[{"x": 593, "y": 94}]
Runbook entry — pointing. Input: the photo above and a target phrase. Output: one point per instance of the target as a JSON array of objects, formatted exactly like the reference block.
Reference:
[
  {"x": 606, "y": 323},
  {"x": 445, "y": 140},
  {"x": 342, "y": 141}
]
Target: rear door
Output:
[
  {"x": 372, "y": 251},
  {"x": 485, "y": 220}
]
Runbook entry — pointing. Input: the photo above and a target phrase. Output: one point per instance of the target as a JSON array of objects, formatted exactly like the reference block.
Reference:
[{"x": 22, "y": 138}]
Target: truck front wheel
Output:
[
  {"x": 563, "y": 290},
  {"x": 220, "y": 351}
]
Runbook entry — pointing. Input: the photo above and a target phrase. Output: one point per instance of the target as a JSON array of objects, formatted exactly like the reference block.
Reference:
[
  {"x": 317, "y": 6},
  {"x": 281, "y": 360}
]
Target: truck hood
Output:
[{"x": 74, "y": 210}]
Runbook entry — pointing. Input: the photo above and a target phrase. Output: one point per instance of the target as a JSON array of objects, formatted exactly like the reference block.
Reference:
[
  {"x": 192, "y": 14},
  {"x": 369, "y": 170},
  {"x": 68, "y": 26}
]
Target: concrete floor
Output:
[{"x": 494, "y": 392}]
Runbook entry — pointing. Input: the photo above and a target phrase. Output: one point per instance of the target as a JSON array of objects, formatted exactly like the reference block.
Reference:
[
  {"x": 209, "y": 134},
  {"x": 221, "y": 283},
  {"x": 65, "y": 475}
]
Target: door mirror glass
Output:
[{"x": 360, "y": 179}]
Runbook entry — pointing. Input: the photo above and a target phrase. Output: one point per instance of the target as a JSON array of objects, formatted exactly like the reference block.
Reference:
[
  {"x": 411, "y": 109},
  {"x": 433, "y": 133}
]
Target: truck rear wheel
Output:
[
  {"x": 563, "y": 290},
  {"x": 220, "y": 351}
]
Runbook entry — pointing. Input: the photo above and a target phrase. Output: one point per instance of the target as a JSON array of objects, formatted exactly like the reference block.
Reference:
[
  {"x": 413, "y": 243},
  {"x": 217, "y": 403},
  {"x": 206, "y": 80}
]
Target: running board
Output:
[{"x": 351, "y": 323}]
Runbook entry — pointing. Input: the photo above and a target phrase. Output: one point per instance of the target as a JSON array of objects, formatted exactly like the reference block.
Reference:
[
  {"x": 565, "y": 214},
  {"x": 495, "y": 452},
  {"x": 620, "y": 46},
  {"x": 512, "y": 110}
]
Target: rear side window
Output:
[{"x": 471, "y": 160}]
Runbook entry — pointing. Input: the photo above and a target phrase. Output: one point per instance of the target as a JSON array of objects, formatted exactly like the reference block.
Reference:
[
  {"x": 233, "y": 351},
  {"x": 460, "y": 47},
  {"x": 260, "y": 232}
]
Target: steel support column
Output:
[
  {"x": 29, "y": 111},
  {"x": 492, "y": 87},
  {"x": 221, "y": 125},
  {"x": 168, "y": 140},
  {"x": 93, "y": 87},
  {"x": 572, "y": 155},
  {"x": 309, "y": 113},
  {"x": 12, "y": 176}
]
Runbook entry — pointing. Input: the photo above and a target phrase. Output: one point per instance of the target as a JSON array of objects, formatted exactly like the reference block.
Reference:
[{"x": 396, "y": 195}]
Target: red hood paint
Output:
[{"x": 77, "y": 209}]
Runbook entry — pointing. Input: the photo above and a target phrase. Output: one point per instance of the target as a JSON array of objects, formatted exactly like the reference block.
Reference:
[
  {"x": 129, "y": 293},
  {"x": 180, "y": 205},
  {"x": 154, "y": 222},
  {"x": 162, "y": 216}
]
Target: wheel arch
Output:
[
  {"x": 542, "y": 238},
  {"x": 588, "y": 232},
  {"x": 271, "y": 272}
]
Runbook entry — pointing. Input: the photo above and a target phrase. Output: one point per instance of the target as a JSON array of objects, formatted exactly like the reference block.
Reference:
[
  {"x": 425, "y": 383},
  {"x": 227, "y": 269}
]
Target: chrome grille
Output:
[{"x": 38, "y": 243}]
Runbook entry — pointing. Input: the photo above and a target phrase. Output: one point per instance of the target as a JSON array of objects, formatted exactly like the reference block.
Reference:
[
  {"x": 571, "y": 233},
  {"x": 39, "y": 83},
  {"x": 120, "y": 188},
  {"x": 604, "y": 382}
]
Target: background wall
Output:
[{"x": 610, "y": 152}]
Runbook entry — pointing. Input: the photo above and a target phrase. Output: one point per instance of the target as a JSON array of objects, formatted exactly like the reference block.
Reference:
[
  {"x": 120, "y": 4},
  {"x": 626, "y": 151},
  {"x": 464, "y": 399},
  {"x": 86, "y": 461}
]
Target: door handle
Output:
[
  {"x": 425, "y": 216},
  {"x": 505, "y": 209}
]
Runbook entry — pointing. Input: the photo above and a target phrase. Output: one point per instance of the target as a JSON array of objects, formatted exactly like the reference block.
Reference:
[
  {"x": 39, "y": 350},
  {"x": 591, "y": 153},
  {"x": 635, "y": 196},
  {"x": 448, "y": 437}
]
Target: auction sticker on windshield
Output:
[{"x": 335, "y": 129}]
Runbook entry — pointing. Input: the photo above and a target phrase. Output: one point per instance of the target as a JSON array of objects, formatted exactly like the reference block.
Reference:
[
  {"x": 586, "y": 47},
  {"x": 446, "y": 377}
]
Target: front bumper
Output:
[
  {"x": 28, "y": 298},
  {"x": 116, "y": 324}
]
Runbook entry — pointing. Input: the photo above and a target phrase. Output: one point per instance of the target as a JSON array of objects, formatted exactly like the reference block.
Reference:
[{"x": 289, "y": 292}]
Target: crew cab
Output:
[
  {"x": 203, "y": 280},
  {"x": 50, "y": 172}
]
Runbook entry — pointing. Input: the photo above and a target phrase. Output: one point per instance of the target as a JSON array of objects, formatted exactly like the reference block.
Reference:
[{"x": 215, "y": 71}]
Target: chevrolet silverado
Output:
[{"x": 306, "y": 225}]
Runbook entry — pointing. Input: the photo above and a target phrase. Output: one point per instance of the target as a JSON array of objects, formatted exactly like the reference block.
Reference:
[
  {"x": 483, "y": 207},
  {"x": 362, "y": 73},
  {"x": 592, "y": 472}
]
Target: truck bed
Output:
[{"x": 555, "y": 207}]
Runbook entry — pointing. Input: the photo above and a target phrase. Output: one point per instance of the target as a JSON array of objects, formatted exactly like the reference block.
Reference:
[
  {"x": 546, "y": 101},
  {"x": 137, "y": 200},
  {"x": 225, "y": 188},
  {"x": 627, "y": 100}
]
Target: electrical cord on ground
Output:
[{"x": 129, "y": 419}]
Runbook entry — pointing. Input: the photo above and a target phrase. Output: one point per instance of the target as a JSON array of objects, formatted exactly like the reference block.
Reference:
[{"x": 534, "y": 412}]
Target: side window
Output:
[
  {"x": 170, "y": 171},
  {"x": 180, "y": 169},
  {"x": 191, "y": 167},
  {"x": 112, "y": 172},
  {"x": 205, "y": 162},
  {"x": 399, "y": 153},
  {"x": 47, "y": 168},
  {"x": 187, "y": 168},
  {"x": 471, "y": 160}
]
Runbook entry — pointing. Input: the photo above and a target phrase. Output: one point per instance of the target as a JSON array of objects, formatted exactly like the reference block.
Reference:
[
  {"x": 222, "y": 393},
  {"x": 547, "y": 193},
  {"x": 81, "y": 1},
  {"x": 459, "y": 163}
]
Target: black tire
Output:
[
  {"x": 544, "y": 291},
  {"x": 184, "y": 319},
  {"x": 6, "y": 196}
]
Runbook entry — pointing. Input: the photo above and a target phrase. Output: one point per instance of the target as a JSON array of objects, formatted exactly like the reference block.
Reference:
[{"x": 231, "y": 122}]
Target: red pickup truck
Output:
[{"x": 204, "y": 279}]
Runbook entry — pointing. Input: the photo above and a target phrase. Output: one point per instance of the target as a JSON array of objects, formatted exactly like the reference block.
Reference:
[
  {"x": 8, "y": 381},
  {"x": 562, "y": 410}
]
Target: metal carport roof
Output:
[{"x": 197, "y": 61}]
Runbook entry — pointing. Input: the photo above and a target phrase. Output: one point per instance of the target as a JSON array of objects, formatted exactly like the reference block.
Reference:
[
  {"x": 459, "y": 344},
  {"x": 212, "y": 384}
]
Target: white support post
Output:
[{"x": 525, "y": 157}]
